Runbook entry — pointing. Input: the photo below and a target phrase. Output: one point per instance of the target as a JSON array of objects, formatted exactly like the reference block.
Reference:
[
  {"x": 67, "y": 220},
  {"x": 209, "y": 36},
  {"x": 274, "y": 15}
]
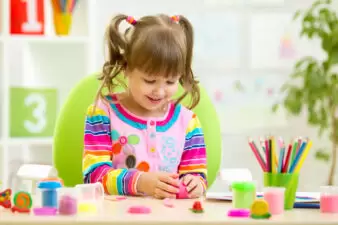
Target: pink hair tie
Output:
[
  {"x": 131, "y": 20},
  {"x": 175, "y": 18}
]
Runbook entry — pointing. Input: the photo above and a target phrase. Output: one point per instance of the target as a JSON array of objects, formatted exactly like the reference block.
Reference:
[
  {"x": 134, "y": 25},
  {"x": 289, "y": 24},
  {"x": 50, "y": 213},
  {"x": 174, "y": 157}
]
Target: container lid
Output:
[
  {"x": 49, "y": 184},
  {"x": 243, "y": 186}
]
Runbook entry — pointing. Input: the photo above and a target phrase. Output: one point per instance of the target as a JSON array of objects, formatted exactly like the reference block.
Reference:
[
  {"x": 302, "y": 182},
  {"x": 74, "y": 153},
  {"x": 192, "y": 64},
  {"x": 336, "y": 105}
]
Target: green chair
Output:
[{"x": 68, "y": 136}]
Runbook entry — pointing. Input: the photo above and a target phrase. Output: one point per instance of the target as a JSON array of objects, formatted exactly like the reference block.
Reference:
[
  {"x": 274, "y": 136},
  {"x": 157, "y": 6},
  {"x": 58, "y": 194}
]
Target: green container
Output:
[
  {"x": 244, "y": 194},
  {"x": 287, "y": 180}
]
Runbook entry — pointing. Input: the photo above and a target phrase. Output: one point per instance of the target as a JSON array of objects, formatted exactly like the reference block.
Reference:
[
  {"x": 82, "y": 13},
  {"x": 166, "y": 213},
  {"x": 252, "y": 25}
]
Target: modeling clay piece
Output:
[
  {"x": 22, "y": 202},
  {"x": 182, "y": 193},
  {"x": 45, "y": 211},
  {"x": 197, "y": 207},
  {"x": 67, "y": 205},
  {"x": 168, "y": 203},
  {"x": 239, "y": 213},
  {"x": 260, "y": 209},
  {"x": 5, "y": 198},
  {"x": 115, "y": 198},
  {"x": 139, "y": 210}
]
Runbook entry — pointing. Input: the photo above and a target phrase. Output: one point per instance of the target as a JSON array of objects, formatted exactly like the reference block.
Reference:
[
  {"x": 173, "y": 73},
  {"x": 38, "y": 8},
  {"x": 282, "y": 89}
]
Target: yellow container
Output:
[{"x": 62, "y": 23}]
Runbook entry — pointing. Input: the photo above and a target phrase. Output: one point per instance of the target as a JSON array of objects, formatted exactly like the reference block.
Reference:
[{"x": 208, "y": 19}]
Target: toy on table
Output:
[
  {"x": 139, "y": 210},
  {"x": 239, "y": 213},
  {"x": 197, "y": 207},
  {"x": 260, "y": 209},
  {"x": 22, "y": 202},
  {"x": 244, "y": 194},
  {"x": 329, "y": 199},
  {"x": 49, "y": 196},
  {"x": 5, "y": 198},
  {"x": 168, "y": 203},
  {"x": 182, "y": 193},
  {"x": 91, "y": 197},
  {"x": 68, "y": 198},
  {"x": 274, "y": 196},
  {"x": 115, "y": 198}
]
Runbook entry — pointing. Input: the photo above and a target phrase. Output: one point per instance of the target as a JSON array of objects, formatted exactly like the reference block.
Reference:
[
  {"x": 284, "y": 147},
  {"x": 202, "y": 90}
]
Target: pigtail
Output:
[
  {"x": 188, "y": 80},
  {"x": 116, "y": 62}
]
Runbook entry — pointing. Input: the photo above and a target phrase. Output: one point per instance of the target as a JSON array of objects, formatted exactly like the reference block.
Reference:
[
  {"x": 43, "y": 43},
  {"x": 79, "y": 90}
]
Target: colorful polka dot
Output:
[{"x": 123, "y": 140}]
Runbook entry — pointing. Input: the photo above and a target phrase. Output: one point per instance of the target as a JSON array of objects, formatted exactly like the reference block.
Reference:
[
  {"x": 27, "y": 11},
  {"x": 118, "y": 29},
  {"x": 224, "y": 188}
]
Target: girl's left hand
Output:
[{"x": 194, "y": 185}]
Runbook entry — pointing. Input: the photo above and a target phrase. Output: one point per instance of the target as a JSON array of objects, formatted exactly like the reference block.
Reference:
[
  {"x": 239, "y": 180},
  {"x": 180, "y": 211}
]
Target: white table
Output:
[{"x": 115, "y": 213}]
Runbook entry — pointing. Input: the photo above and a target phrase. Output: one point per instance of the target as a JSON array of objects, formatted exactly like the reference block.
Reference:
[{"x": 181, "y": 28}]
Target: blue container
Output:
[{"x": 49, "y": 193}]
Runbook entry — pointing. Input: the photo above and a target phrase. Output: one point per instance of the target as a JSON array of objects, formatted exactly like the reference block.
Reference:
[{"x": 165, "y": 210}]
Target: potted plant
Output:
[{"x": 313, "y": 84}]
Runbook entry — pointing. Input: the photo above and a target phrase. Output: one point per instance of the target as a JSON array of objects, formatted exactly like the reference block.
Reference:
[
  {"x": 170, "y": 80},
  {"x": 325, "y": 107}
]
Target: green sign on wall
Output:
[{"x": 32, "y": 112}]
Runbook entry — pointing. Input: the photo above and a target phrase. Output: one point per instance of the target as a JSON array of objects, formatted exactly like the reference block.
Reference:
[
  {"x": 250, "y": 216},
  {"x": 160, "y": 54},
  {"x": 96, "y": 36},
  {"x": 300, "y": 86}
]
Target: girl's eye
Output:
[
  {"x": 149, "y": 81},
  {"x": 171, "y": 82}
]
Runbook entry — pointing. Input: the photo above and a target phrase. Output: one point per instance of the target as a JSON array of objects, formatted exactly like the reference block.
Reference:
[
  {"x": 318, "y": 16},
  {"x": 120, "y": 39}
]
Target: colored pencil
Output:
[
  {"x": 64, "y": 6},
  {"x": 299, "y": 143},
  {"x": 294, "y": 150},
  {"x": 281, "y": 155},
  {"x": 303, "y": 156},
  {"x": 267, "y": 154},
  {"x": 257, "y": 155},
  {"x": 274, "y": 155},
  {"x": 262, "y": 142},
  {"x": 297, "y": 157},
  {"x": 287, "y": 159}
]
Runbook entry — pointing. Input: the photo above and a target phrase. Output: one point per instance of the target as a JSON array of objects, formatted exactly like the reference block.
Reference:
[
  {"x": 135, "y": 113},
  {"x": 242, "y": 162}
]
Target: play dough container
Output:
[
  {"x": 244, "y": 194},
  {"x": 47, "y": 193},
  {"x": 90, "y": 197},
  {"x": 68, "y": 198},
  {"x": 289, "y": 181},
  {"x": 329, "y": 199},
  {"x": 274, "y": 196}
]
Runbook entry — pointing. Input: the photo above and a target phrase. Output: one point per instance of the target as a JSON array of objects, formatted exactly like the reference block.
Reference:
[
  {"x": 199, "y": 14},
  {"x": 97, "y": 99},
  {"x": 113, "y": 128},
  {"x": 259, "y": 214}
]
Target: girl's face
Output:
[{"x": 151, "y": 92}]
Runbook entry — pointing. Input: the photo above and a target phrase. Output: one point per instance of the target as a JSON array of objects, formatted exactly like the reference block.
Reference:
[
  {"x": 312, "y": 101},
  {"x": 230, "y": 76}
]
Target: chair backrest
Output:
[{"x": 68, "y": 136}]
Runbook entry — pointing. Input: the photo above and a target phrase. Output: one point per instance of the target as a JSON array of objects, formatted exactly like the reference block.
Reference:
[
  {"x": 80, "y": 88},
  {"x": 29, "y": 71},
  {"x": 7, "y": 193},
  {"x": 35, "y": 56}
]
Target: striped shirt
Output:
[{"x": 119, "y": 145}]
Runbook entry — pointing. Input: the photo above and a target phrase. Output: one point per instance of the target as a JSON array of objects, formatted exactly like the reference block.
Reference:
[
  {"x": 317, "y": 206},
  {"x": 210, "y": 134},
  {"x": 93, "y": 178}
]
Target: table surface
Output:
[{"x": 215, "y": 212}]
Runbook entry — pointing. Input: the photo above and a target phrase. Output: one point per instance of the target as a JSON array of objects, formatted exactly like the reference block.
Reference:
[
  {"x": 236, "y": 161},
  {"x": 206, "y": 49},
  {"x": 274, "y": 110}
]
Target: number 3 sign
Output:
[
  {"x": 27, "y": 17},
  {"x": 32, "y": 112}
]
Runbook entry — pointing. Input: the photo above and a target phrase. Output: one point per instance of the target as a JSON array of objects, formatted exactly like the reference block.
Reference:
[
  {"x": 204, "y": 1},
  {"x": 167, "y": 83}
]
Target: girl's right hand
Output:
[{"x": 159, "y": 185}]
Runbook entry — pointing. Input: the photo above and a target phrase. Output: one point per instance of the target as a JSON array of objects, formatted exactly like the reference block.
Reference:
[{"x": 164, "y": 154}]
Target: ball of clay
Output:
[{"x": 182, "y": 193}]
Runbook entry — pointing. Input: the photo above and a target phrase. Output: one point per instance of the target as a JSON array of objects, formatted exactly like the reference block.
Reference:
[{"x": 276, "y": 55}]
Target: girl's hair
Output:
[{"x": 153, "y": 44}]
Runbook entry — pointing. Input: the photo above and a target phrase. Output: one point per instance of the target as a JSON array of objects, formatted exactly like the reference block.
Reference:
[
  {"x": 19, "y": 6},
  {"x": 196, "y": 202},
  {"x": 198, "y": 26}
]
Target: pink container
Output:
[
  {"x": 329, "y": 199},
  {"x": 275, "y": 198}
]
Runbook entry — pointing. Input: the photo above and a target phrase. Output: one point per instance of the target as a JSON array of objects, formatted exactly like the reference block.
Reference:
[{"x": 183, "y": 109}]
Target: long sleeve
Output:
[
  {"x": 194, "y": 157},
  {"x": 97, "y": 162}
]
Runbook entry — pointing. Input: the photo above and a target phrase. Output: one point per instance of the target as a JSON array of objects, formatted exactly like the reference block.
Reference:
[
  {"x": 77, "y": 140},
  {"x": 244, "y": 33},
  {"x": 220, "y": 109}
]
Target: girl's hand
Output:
[
  {"x": 159, "y": 185},
  {"x": 194, "y": 185}
]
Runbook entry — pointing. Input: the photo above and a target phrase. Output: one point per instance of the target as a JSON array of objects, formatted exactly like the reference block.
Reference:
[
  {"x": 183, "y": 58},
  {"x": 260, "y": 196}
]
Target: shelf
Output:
[
  {"x": 37, "y": 73},
  {"x": 47, "y": 39},
  {"x": 2, "y": 88},
  {"x": 2, "y": 165},
  {"x": 30, "y": 141}
]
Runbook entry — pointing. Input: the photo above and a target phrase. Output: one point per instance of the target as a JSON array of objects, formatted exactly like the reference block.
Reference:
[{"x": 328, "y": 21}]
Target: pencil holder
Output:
[
  {"x": 287, "y": 180},
  {"x": 62, "y": 23}
]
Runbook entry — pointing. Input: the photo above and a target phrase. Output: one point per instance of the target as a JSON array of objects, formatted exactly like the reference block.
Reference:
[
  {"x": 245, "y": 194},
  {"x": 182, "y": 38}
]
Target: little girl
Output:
[{"x": 140, "y": 141}]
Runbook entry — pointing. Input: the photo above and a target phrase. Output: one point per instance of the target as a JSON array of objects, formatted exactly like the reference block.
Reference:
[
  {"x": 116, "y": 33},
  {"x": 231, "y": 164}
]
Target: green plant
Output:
[{"x": 313, "y": 84}]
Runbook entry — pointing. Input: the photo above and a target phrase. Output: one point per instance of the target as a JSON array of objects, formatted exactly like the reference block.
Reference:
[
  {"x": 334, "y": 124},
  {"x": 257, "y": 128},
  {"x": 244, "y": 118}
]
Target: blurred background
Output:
[{"x": 245, "y": 50}]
